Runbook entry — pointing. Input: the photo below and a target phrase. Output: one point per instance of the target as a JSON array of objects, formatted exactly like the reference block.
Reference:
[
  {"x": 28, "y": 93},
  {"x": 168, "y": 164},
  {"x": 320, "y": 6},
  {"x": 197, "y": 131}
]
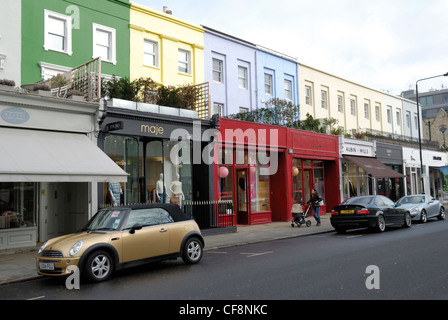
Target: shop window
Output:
[
  {"x": 319, "y": 181},
  {"x": 158, "y": 170},
  {"x": 17, "y": 205},
  {"x": 125, "y": 152},
  {"x": 155, "y": 183},
  {"x": 225, "y": 155},
  {"x": 297, "y": 181},
  {"x": 355, "y": 180},
  {"x": 177, "y": 170},
  {"x": 307, "y": 174},
  {"x": 225, "y": 175},
  {"x": 260, "y": 195}
]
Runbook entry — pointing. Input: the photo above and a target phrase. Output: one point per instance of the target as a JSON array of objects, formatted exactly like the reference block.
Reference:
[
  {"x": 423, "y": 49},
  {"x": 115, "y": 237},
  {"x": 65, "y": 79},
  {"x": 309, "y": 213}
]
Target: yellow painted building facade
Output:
[{"x": 167, "y": 49}]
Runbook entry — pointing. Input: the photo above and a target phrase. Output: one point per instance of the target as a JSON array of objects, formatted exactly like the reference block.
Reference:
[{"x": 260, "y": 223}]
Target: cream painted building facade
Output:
[
  {"x": 356, "y": 107},
  {"x": 165, "y": 48}
]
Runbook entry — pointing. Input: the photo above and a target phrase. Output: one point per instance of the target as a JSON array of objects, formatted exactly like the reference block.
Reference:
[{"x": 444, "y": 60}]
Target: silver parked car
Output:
[{"x": 422, "y": 207}]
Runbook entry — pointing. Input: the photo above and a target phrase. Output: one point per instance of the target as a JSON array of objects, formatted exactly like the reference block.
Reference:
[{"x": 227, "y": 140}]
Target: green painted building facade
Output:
[{"x": 58, "y": 35}]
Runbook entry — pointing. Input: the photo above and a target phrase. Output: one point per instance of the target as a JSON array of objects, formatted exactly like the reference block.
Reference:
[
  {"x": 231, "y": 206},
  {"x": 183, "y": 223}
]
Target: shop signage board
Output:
[{"x": 355, "y": 147}]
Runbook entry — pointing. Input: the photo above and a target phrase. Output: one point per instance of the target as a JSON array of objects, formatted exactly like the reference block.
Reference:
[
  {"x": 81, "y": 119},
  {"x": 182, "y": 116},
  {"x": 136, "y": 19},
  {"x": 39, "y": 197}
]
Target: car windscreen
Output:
[
  {"x": 412, "y": 199},
  {"x": 359, "y": 200},
  {"x": 106, "y": 219}
]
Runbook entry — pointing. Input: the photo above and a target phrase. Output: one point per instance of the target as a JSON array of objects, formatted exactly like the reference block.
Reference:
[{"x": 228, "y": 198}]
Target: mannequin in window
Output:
[
  {"x": 177, "y": 194},
  {"x": 160, "y": 190}
]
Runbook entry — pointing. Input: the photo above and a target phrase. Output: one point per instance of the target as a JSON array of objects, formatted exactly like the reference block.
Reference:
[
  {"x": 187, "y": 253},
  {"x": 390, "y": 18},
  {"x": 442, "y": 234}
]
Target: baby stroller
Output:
[{"x": 300, "y": 216}]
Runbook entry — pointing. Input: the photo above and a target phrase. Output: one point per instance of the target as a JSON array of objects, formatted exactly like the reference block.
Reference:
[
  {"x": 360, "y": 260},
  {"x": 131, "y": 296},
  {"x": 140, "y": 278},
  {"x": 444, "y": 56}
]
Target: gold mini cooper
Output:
[{"x": 119, "y": 237}]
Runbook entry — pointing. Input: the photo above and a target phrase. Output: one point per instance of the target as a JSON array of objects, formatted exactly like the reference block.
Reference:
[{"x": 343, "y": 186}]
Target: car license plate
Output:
[
  {"x": 46, "y": 266},
  {"x": 347, "y": 211}
]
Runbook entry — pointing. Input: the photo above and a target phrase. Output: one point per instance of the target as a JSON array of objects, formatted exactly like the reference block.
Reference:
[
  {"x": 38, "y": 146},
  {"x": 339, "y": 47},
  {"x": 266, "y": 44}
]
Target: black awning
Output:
[{"x": 374, "y": 167}]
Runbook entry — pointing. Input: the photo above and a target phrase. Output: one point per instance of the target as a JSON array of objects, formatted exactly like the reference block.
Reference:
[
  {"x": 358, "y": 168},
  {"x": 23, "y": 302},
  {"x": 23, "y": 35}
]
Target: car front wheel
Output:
[
  {"x": 192, "y": 251},
  {"x": 99, "y": 266},
  {"x": 423, "y": 217},
  {"x": 441, "y": 215}
]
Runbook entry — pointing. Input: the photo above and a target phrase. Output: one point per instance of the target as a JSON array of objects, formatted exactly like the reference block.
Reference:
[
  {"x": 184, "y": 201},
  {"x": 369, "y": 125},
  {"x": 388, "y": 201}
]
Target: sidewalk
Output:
[{"x": 19, "y": 265}]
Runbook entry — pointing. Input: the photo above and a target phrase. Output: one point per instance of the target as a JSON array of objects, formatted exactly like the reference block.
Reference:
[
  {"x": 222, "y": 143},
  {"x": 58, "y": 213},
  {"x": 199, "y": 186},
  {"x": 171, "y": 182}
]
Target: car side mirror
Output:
[{"x": 135, "y": 227}]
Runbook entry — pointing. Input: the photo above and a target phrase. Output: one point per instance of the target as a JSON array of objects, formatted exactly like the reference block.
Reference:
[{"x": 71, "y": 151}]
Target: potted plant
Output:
[
  {"x": 8, "y": 85},
  {"x": 75, "y": 95},
  {"x": 42, "y": 89}
]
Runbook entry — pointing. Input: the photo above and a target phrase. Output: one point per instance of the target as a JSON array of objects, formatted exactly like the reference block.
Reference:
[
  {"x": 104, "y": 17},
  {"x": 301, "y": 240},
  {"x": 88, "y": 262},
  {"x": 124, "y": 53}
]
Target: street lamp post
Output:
[
  {"x": 419, "y": 133},
  {"x": 443, "y": 130}
]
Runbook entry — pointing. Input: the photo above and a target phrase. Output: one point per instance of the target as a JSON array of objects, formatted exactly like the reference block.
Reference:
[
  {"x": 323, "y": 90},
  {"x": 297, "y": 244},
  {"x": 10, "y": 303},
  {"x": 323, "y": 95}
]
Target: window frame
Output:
[
  {"x": 308, "y": 95},
  {"x": 366, "y": 110},
  {"x": 187, "y": 62},
  {"x": 353, "y": 106},
  {"x": 389, "y": 114},
  {"x": 218, "y": 72},
  {"x": 113, "y": 45},
  {"x": 288, "y": 89},
  {"x": 154, "y": 55},
  {"x": 218, "y": 108},
  {"x": 398, "y": 115},
  {"x": 68, "y": 31},
  {"x": 324, "y": 99},
  {"x": 268, "y": 76},
  {"x": 340, "y": 103},
  {"x": 244, "y": 78}
]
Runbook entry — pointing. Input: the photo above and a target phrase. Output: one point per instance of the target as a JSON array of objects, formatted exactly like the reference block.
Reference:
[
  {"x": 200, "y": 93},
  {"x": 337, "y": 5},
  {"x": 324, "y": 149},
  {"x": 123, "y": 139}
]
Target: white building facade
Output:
[{"x": 357, "y": 108}]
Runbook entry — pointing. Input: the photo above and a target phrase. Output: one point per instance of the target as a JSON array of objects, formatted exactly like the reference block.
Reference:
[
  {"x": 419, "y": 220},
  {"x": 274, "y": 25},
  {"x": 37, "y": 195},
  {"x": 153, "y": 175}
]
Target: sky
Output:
[{"x": 386, "y": 45}]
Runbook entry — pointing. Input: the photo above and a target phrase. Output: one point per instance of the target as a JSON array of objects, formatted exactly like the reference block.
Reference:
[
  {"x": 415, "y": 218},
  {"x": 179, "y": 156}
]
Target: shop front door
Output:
[
  {"x": 242, "y": 196},
  {"x": 308, "y": 184}
]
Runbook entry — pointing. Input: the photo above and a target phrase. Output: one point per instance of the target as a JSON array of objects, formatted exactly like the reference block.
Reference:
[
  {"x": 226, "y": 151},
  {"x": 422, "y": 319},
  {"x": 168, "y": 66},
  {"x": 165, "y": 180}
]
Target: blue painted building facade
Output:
[
  {"x": 243, "y": 76},
  {"x": 277, "y": 77},
  {"x": 230, "y": 71}
]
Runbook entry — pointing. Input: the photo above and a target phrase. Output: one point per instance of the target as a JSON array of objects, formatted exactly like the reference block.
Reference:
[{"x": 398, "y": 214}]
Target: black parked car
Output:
[{"x": 374, "y": 212}]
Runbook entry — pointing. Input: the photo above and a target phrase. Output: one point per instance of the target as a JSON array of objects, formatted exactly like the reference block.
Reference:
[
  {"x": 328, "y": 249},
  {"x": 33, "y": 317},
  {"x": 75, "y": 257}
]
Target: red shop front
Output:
[
  {"x": 254, "y": 168},
  {"x": 314, "y": 162}
]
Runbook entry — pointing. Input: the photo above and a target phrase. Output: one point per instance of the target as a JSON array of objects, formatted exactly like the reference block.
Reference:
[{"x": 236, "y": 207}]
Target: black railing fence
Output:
[{"x": 211, "y": 215}]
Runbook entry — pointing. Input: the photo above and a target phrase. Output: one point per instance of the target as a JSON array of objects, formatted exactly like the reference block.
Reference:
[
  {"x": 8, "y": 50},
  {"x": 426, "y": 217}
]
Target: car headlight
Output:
[
  {"x": 76, "y": 247},
  {"x": 415, "y": 210},
  {"x": 42, "y": 247}
]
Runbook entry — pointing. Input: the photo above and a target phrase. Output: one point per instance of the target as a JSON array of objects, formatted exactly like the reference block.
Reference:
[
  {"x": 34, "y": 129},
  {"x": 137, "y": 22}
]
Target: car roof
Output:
[{"x": 173, "y": 209}]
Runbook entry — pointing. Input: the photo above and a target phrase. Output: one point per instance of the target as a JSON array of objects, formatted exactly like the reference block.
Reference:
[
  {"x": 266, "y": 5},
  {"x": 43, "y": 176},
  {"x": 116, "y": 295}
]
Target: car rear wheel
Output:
[
  {"x": 192, "y": 251},
  {"x": 407, "y": 220},
  {"x": 99, "y": 266},
  {"x": 381, "y": 224},
  {"x": 423, "y": 216},
  {"x": 441, "y": 215}
]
